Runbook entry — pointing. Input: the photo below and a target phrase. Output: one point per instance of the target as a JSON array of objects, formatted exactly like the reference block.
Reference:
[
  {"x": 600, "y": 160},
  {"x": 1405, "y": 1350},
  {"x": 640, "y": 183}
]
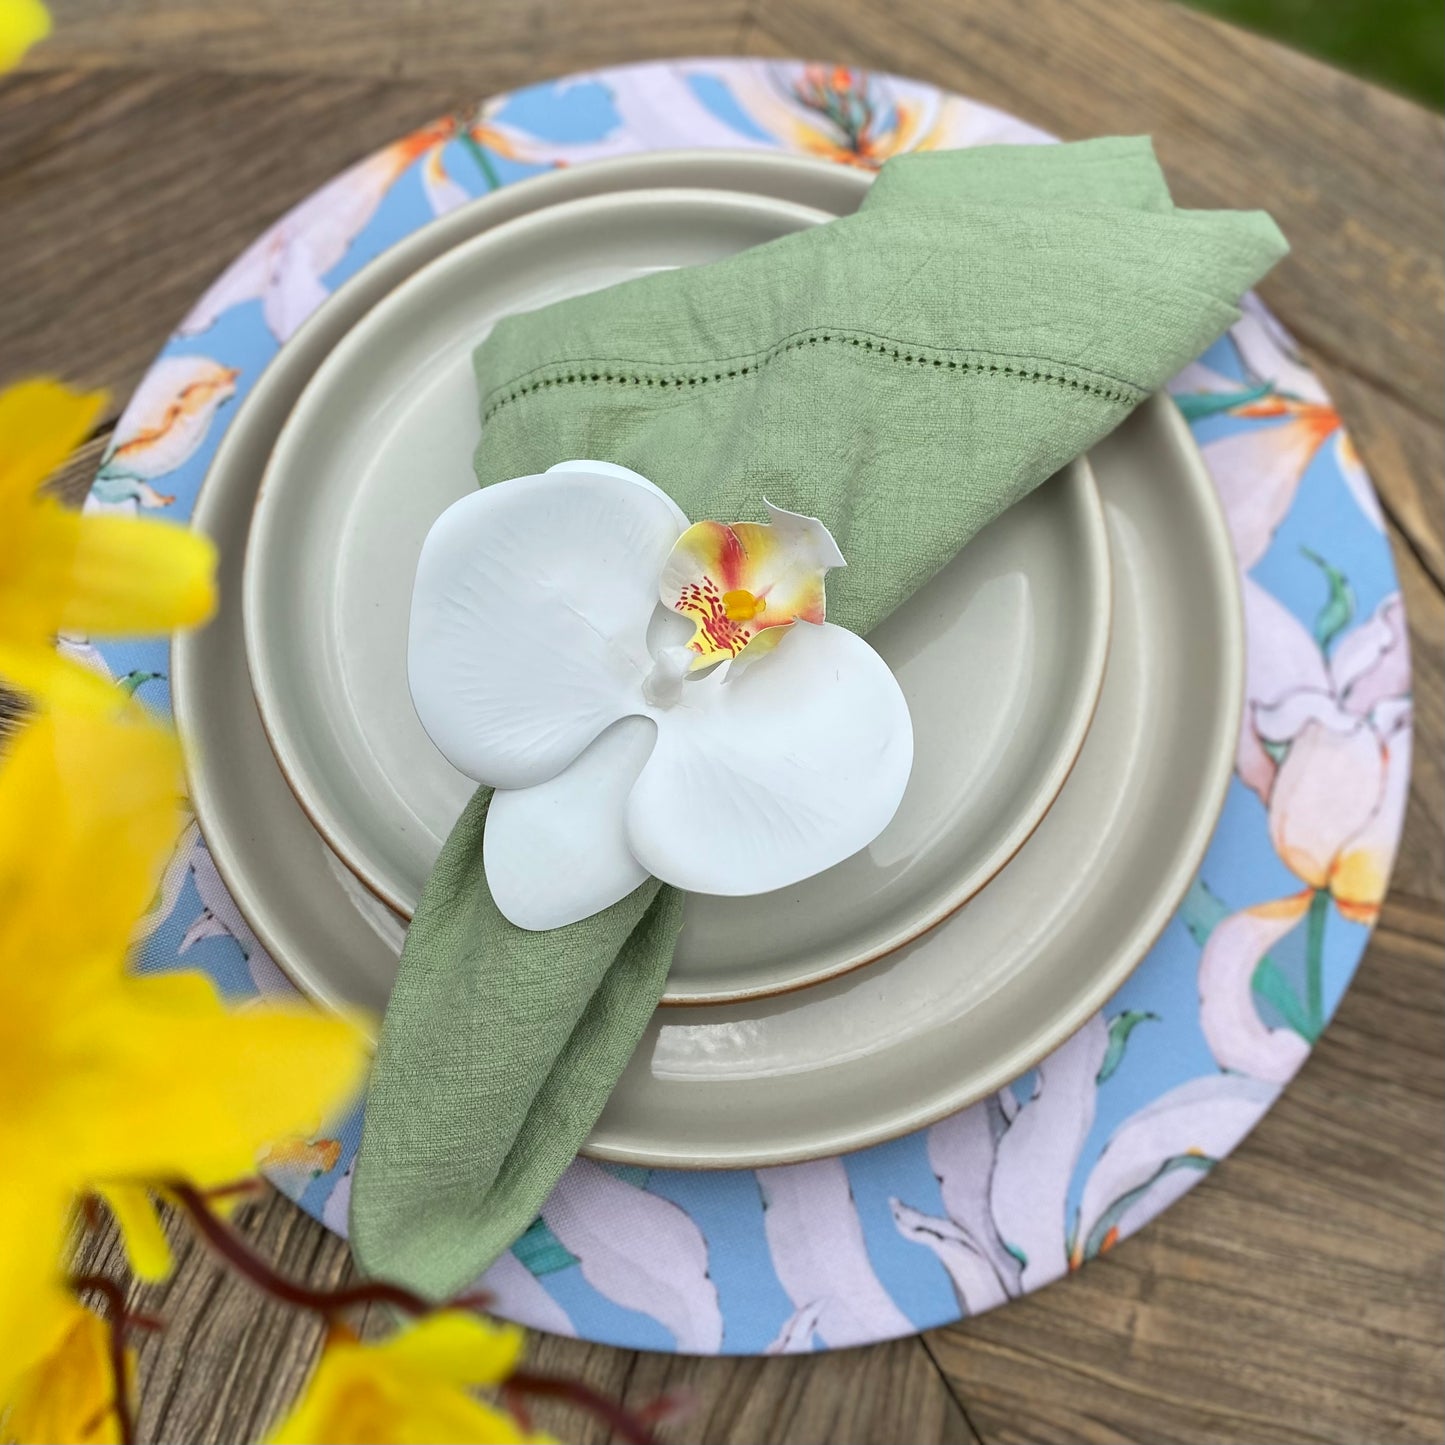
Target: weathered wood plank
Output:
[
  {"x": 1406, "y": 459},
  {"x": 490, "y": 46},
  {"x": 126, "y": 191}
]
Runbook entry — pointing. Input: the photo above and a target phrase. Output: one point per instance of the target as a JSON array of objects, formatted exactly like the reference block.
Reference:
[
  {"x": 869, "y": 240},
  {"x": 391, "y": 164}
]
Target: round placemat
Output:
[{"x": 1133, "y": 1110}]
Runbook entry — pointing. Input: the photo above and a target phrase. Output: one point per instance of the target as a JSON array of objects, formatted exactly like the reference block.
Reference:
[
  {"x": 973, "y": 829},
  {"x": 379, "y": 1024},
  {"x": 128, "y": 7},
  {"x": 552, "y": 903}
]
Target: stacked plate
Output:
[{"x": 1074, "y": 678}]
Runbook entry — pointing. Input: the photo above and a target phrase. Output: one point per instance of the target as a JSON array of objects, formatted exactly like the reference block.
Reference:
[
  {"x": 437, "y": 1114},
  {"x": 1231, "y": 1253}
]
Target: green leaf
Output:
[
  {"x": 1110, "y": 1218},
  {"x": 1271, "y": 985},
  {"x": 136, "y": 679},
  {"x": 1339, "y": 610},
  {"x": 1201, "y": 910},
  {"x": 630, "y": 1174},
  {"x": 1197, "y": 405},
  {"x": 541, "y": 1251},
  {"x": 1120, "y": 1027}
]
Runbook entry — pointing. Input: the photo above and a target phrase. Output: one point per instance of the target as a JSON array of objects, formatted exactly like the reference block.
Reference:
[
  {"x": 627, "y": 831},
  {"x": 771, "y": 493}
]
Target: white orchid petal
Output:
[
  {"x": 626, "y": 474},
  {"x": 806, "y": 538},
  {"x": 557, "y": 852},
  {"x": 777, "y": 773},
  {"x": 1206, "y": 1117},
  {"x": 1238, "y": 1038},
  {"x": 529, "y": 620}
]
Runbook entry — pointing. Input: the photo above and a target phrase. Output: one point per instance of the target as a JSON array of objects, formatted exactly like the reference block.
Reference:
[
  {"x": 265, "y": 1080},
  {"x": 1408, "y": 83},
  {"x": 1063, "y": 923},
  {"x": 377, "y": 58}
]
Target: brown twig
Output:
[
  {"x": 116, "y": 1321},
  {"x": 625, "y": 1425},
  {"x": 245, "y": 1261},
  {"x": 235, "y": 1252}
]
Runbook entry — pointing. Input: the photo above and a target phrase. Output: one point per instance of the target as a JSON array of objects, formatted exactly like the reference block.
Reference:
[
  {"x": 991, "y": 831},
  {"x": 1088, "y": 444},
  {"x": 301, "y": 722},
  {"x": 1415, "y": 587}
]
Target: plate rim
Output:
[
  {"x": 267, "y": 514},
  {"x": 186, "y": 696},
  {"x": 1145, "y": 934}
]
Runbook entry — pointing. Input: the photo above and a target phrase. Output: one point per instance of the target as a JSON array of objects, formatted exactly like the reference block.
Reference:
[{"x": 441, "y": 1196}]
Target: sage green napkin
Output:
[{"x": 905, "y": 374}]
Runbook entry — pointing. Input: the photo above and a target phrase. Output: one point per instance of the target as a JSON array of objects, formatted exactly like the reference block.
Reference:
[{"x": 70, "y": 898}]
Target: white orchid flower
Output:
[{"x": 564, "y": 631}]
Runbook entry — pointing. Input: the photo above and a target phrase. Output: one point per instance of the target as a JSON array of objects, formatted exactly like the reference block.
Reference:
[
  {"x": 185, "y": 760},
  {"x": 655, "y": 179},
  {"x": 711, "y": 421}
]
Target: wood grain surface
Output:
[{"x": 1296, "y": 1294}]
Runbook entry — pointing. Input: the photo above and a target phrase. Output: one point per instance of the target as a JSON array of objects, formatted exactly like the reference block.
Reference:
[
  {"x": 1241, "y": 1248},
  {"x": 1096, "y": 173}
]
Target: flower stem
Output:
[
  {"x": 1315, "y": 960},
  {"x": 327, "y": 1302},
  {"x": 114, "y": 1298},
  {"x": 624, "y": 1425},
  {"x": 478, "y": 153}
]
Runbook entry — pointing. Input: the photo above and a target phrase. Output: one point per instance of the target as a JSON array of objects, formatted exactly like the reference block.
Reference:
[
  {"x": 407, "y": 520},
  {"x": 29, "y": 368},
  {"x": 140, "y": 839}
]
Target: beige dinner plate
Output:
[
  {"x": 1001, "y": 656},
  {"x": 935, "y": 1026}
]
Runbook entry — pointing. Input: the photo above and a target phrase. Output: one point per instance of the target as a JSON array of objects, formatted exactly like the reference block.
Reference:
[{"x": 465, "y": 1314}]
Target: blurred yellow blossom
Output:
[
  {"x": 146, "y": 1245},
  {"x": 61, "y": 571},
  {"x": 111, "y": 1079},
  {"x": 23, "y": 23},
  {"x": 69, "y": 1392},
  {"x": 410, "y": 1388}
]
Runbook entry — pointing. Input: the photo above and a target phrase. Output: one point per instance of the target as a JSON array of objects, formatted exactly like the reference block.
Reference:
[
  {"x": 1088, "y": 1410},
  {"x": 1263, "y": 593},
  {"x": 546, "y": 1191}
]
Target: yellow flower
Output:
[
  {"x": 110, "y": 1079},
  {"x": 146, "y": 1245},
  {"x": 64, "y": 572},
  {"x": 411, "y": 1388},
  {"x": 69, "y": 1392},
  {"x": 23, "y": 23}
]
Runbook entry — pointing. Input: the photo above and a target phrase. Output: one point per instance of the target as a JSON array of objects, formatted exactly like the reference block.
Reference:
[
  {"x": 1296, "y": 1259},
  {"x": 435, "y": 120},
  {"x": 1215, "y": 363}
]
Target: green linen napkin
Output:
[{"x": 905, "y": 374}]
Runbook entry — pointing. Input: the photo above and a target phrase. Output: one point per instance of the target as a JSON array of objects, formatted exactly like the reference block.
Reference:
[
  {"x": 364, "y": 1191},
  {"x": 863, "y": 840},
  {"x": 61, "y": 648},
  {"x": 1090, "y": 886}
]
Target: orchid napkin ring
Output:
[{"x": 647, "y": 697}]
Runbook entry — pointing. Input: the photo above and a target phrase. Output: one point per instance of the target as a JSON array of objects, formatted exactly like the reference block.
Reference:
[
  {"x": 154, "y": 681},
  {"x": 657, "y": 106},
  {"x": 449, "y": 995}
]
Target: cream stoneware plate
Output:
[
  {"x": 982, "y": 998},
  {"x": 885, "y": 1050},
  {"x": 1001, "y": 657}
]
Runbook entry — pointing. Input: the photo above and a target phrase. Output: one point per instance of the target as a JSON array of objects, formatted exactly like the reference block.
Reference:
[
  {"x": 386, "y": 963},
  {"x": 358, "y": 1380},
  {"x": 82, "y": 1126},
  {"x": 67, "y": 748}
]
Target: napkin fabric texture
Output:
[{"x": 905, "y": 374}]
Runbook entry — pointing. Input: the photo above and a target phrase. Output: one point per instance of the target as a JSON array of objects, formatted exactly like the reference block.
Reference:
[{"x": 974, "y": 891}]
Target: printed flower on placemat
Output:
[
  {"x": 541, "y": 663},
  {"x": 1325, "y": 743}
]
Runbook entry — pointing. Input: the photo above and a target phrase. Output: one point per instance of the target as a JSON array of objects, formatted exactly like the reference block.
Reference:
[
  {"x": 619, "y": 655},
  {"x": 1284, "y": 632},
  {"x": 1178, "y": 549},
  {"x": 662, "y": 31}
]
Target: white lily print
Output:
[
  {"x": 515, "y": 1293},
  {"x": 220, "y": 918},
  {"x": 850, "y": 116},
  {"x": 286, "y": 268},
  {"x": 162, "y": 427},
  {"x": 657, "y": 1265},
  {"x": 1259, "y": 470},
  {"x": 1325, "y": 743},
  {"x": 821, "y": 1258},
  {"x": 1006, "y": 1180}
]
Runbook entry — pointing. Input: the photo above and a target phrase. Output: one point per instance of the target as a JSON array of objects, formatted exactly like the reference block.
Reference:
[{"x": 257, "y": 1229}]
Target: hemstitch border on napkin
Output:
[{"x": 643, "y": 374}]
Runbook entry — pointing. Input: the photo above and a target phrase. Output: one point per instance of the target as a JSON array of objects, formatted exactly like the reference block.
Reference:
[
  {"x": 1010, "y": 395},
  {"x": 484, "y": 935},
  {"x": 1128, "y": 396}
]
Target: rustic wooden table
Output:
[{"x": 1296, "y": 1294}]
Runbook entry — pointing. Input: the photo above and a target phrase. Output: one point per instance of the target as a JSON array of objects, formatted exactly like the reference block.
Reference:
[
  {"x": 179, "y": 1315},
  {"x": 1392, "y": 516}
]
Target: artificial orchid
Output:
[{"x": 710, "y": 741}]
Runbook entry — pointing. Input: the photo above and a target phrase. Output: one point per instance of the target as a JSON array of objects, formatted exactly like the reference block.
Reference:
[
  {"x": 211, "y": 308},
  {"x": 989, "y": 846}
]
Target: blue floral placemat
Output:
[{"x": 1137, "y": 1107}]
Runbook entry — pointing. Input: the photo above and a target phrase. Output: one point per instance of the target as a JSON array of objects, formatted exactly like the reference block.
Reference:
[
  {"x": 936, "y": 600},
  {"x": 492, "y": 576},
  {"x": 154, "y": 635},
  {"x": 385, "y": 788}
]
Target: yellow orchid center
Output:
[
  {"x": 740, "y": 605},
  {"x": 742, "y": 585}
]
